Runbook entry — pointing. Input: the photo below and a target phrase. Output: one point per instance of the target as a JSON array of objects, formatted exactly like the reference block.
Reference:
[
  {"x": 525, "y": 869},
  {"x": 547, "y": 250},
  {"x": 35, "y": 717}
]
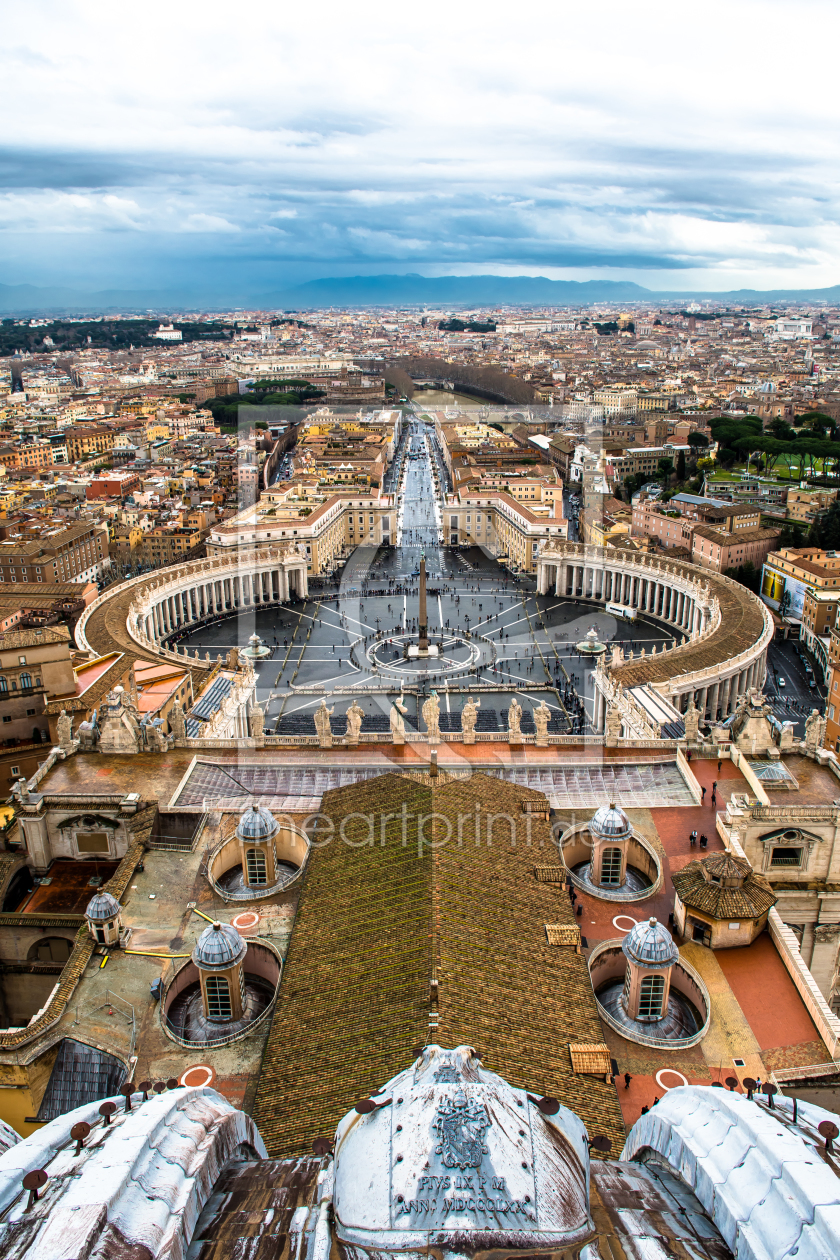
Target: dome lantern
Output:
[
  {"x": 103, "y": 915},
  {"x": 219, "y": 955},
  {"x": 651, "y": 953},
  {"x": 610, "y": 831},
  {"x": 255, "y": 832}
]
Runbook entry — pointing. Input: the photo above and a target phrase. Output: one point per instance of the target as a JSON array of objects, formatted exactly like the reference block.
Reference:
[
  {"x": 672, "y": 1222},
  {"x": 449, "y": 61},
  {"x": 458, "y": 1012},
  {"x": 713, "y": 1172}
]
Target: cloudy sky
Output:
[{"x": 258, "y": 144}]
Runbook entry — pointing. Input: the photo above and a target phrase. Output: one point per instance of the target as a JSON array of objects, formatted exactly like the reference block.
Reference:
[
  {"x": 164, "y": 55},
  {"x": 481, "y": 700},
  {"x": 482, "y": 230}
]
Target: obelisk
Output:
[{"x": 422, "y": 625}]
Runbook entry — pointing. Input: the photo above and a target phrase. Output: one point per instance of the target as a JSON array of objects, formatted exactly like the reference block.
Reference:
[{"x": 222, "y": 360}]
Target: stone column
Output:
[{"x": 713, "y": 700}]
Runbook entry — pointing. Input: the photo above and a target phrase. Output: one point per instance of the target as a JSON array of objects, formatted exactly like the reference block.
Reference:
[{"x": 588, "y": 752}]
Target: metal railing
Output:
[
  {"x": 254, "y": 894},
  {"x": 229, "y": 1037}
]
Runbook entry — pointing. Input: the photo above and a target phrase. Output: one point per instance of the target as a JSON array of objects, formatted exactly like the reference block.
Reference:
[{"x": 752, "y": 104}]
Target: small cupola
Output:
[
  {"x": 610, "y": 832},
  {"x": 651, "y": 953},
  {"x": 255, "y": 832},
  {"x": 103, "y": 915},
  {"x": 219, "y": 955}
]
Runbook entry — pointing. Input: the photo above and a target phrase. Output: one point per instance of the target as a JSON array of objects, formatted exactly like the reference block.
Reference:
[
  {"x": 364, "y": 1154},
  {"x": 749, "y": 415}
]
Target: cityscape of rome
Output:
[{"x": 419, "y": 637}]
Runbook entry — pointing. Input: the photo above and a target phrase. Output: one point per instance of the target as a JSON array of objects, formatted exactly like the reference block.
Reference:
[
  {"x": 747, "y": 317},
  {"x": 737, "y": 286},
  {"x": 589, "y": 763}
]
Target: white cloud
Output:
[{"x": 208, "y": 223}]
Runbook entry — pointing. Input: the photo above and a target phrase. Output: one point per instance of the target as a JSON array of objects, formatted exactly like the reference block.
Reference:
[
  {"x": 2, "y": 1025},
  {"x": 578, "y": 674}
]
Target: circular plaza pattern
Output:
[{"x": 450, "y": 654}]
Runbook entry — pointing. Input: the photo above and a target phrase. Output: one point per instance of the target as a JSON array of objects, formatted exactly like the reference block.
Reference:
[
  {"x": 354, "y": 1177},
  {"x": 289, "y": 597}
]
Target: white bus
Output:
[{"x": 622, "y": 612}]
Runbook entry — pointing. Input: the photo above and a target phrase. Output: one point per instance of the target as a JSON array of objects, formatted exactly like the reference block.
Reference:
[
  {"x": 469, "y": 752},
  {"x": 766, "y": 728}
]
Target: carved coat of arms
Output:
[{"x": 461, "y": 1124}]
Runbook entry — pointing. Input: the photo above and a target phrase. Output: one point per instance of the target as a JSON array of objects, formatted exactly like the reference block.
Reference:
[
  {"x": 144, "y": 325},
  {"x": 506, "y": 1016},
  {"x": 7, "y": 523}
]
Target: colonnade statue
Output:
[
  {"x": 322, "y": 723},
  {"x": 354, "y": 723},
  {"x": 514, "y": 721},
  {"x": 431, "y": 716},
  {"x": 542, "y": 717},
  {"x": 469, "y": 717},
  {"x": 398, "y": 711}
]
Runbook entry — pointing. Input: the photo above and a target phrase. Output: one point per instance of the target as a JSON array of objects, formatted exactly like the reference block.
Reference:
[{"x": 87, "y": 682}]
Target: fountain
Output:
[
  {"x": 591, "y": 645},
  {"x": 256, "y": 649}
]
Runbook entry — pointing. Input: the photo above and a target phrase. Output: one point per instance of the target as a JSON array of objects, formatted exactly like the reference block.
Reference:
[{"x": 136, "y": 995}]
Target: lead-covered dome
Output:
[
  {"x": 220, "y": 946},
  {"x": 610, "y": 823},
  {"x": 650, "y": 945},
  {"x": 102, "y": 908},
  {"x": 257, "y": 823}
]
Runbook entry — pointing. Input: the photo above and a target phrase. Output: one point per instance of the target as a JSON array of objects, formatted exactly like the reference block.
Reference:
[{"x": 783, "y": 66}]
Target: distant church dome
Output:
[
  {"x": 610, "y": 823},
  {"x": 102, "y": 908},
  {"x": 650, "y": 945},
  {"x": 257, "y": 823},
  {"x": 220, "y": 946}
]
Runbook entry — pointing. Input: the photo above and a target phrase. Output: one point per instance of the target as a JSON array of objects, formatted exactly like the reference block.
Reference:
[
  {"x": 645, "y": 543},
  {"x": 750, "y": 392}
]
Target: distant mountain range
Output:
[{"x": 386, "y": 290}]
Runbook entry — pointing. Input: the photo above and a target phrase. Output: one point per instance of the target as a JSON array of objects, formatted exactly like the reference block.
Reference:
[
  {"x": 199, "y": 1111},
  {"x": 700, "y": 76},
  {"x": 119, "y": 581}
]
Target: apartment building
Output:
[
  {"x": 832, "y": 677},
  {"x": 510, "y": 530},
  {"x": 78, "y": 553},
  {"x": 804, "y": 580},
  {"x": 723, "y": 549},
  {"x": 616, "y": 402},
  {"x": 84, "y": 441},
  {"x": 113, "y": 485},
  {"x": 326, "y": 526},
  {"x": 165, "y": 545},
  {"x": 807, "y": 505},
  {"x": 644, "y": 460},
  {"x": 35, "y": 667},
  {"x": 768, "y": 496}
]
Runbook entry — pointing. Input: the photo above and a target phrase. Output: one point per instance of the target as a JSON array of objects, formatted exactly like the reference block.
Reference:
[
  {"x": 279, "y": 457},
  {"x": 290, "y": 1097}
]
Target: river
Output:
[{"x": 439, "y": 399}]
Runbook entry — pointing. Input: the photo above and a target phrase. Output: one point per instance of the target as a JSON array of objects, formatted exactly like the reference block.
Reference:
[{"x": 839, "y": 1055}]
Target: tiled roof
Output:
[
  {"x": 378, "y": 922},
  {"x": 592, "y": 1058},
  {"x": 752, "y": 900}
]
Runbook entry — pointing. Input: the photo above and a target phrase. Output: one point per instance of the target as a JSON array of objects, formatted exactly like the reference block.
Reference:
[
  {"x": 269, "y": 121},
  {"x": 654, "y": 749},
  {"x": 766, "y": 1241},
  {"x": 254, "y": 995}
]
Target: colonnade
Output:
[
  {"x": 214, "y": 589},
  {"x": 682, "y": 600},
  {"x": 660, "y": 598}
]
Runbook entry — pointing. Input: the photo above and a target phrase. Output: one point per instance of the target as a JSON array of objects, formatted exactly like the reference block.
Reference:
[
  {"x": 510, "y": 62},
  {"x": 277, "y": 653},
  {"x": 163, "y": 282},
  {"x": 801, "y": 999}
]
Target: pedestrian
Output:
[
  {"x": 703, "y": 790},
  {"x": 692, "y": 839},
  {"x": 720, "y": 765},
  {"x": 713, "y": 801},
  {"x": 714, "y": 786}
]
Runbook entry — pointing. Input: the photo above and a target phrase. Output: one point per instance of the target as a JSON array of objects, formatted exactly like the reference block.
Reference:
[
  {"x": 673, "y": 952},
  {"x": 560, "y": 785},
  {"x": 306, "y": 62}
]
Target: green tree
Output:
[
  {"x": 698, "y": 441},
  {"x": 681, "y": 466},
  {"x": 781, "y": 429},
  {"x": 747, "y": 574},
  {"x": 666, "y": 468},
  {"x": 825, "y": 531}
]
